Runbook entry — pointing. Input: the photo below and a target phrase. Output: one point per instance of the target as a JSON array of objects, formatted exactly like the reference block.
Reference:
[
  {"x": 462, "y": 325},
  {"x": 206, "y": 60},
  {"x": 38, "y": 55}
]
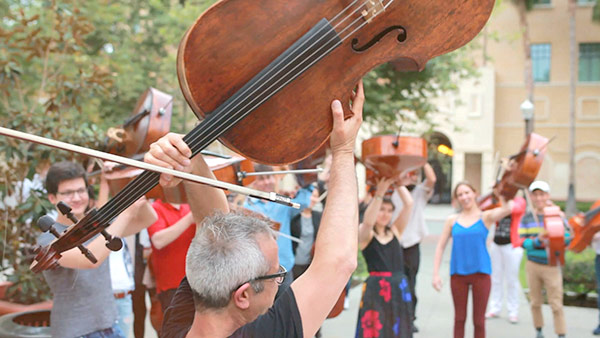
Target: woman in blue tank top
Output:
[{"x": 470, "y": 261}]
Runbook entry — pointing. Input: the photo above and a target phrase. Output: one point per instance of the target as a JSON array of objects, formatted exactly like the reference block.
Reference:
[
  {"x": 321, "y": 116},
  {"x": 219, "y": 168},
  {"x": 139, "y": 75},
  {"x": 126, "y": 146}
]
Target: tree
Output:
[{"x": 571, "y": 207}]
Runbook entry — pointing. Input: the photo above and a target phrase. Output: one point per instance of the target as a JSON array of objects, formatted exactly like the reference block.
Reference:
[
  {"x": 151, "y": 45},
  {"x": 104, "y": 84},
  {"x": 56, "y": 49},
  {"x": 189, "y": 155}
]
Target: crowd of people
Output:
[{"x": 212, "y": 270}]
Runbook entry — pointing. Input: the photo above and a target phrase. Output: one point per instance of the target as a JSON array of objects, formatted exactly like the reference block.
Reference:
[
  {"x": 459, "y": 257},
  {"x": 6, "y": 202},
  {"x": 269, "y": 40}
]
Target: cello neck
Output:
[{"x": 591, "y": 214}]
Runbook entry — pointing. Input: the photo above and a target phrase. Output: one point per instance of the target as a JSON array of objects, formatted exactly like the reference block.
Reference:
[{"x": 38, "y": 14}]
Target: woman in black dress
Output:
[{"x": 385, "y": 309}]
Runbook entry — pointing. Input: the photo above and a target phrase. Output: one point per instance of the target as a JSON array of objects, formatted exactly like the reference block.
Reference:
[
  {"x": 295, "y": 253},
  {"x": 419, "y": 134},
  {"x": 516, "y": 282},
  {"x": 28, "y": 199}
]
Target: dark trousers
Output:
[
  {"x": 480, "y": 284},
  {"x": 412, "y": 259},
  {"x": 138, "y": 298}
]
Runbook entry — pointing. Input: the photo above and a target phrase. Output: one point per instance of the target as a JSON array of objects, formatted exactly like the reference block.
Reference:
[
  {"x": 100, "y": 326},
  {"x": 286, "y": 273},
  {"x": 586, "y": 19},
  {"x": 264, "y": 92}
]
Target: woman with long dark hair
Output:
[
  {"x": 386, "y": 306},
  {"x": 470, "y": 263}
]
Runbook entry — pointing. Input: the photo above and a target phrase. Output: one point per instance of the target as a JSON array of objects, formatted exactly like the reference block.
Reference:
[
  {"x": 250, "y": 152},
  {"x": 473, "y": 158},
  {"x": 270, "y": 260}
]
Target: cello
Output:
[
  {"x": 256, "y": 102},
  {"x": 391, "y": 155},
  {"x": 584, "y": 227},
  {"x": 555, "y": 231},
  {"x": 524, "y": 167},
  {"x": 150, "y": 120}
]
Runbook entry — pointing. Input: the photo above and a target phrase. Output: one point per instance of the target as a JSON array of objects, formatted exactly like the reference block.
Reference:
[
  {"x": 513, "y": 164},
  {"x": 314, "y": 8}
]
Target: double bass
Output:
[{"x": 271, "y": 103}]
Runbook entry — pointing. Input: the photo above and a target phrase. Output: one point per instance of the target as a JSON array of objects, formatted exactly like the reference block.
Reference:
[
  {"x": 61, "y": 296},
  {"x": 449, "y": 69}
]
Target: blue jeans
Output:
[
  {"x": 111, "y": 332},
  {"x": 598, "y": 278},
  {"x": 125, "y": 314}
]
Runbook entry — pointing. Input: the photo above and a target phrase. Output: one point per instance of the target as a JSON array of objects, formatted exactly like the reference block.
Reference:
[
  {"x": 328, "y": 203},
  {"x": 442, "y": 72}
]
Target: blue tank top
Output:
[{"x": 469, "y": 251}]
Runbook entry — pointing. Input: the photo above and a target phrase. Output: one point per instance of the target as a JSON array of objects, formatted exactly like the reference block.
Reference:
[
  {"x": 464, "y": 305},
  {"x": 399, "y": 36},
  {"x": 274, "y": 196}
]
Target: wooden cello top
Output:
[{"x": 390, "y": 155}]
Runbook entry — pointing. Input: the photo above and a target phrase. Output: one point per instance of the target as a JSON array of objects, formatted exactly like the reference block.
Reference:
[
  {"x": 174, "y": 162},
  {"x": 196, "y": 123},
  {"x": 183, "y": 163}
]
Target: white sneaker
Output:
[
  {"x": 491, "y": 315},
  {"x": 346, "y": 303},
  {"x": 513, "y": 319}
]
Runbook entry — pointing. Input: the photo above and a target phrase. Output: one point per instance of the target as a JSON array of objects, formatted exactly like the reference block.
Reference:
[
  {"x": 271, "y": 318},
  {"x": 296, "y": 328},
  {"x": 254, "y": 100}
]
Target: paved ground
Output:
[{"x": 435, "y": 312}]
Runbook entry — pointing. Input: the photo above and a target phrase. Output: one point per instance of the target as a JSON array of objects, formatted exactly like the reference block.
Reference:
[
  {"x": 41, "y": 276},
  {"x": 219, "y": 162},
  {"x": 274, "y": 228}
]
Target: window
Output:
[
  {"x": 541, "y": 2},
  {"x": 540, "y": 59},
  {"x": 585, "y": 2},
  {"x": 589, "y": 62}
]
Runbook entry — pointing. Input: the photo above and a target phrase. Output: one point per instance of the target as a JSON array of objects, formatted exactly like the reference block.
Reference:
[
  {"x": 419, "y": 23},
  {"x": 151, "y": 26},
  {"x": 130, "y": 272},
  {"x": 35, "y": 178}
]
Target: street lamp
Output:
[{"x": 527, "y": 110}]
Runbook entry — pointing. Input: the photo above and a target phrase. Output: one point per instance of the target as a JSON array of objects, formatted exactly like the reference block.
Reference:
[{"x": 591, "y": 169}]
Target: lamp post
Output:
[{"x": 527, "y": 110}]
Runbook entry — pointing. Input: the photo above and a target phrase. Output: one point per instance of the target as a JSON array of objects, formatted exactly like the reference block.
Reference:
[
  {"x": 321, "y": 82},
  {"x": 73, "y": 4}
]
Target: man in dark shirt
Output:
[{"x": 232, "y": 264}]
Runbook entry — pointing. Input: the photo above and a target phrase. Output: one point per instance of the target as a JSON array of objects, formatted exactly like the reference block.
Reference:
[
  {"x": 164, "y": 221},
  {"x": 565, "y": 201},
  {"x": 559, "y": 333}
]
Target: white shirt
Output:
[
  {"x": 121, "y": 277},
  {"x": 416, "y": 229},
  {"x": 596, "y": 243}
]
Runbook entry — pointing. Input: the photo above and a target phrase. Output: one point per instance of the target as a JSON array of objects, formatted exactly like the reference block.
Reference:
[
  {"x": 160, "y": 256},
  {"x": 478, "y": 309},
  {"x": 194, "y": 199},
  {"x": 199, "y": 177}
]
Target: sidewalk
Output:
[{"x": 435, "y": 311}]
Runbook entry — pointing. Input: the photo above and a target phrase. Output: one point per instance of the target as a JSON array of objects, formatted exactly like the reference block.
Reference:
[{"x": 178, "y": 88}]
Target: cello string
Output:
[{"x": 148, "y": 183}]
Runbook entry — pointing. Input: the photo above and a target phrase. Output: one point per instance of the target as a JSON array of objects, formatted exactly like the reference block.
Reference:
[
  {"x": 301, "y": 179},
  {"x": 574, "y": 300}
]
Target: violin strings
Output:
[{"x": 196, "y": 136}]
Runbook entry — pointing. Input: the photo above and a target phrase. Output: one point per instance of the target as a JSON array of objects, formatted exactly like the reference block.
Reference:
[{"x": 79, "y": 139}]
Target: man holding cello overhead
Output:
[
  {"x": 233, "y": 268},
  {"x": 539, "y": 273}
]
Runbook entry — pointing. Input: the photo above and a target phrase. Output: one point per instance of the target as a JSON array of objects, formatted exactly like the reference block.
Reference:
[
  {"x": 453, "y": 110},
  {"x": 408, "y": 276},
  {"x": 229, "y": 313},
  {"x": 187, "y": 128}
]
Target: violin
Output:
[
  {"x": 524, "y": 168},
  {"x": 389, "y": 156},
  {"x": 555, "y": 230},
  {"x": 271, "y": 103},
  {"x": 150, "y": 120},
  {"x": 584, "y": 227}
]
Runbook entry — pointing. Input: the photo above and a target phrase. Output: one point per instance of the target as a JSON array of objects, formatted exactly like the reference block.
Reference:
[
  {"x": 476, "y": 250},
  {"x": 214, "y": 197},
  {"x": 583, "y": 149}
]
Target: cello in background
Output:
[
  {"x": 391, "y": 155},
  {"x": 584, "y": 227},
  {"x": 555, "y": 230},
  {"x": 523, "y": 169}
]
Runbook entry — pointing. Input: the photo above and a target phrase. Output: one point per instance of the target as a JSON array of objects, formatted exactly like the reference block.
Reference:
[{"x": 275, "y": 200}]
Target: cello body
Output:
[
  {"x": 389, "y": 156},
  {"x": 556, "y": 236},
  {"x": 584, "y": 227},
  {"x": 150, "y": 120},
  {"x": 525, "y": 167},
  {"x": 211, "y": 68}
]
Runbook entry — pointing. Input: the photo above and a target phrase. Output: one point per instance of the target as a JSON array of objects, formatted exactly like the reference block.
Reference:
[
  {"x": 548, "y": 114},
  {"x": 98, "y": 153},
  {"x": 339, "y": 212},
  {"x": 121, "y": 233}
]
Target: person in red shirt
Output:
[{"x": 170, "y": 236}]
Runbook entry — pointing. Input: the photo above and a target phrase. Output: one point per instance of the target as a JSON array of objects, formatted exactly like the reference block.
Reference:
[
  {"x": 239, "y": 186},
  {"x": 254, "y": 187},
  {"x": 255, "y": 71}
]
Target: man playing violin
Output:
[
  {"x": 83, "y": 301},
  {"x": 233, "y": 269},
  {"x": 539, "y": 273}
]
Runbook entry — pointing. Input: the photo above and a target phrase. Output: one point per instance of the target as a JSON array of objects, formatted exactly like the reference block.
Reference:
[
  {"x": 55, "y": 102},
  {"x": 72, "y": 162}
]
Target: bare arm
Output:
[
  {"x": 492, "y": 216},
  {"x": 166, "y": 236},
  {"x": 439, "y": 251},
  {"x": 138, "y": 216},
  {"x": 336, "y": 244},
  {"x": 365, "y": 229},
  {"x": 170, "y": 151},
  {"x": 430, "y": 177},
  {"x": 404, "y": 215}
]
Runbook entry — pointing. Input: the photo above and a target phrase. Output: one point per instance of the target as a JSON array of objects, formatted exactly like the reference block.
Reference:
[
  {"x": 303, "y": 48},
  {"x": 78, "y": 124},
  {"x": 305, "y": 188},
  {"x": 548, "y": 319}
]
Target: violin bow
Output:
[{"x": 270, "y": 196}]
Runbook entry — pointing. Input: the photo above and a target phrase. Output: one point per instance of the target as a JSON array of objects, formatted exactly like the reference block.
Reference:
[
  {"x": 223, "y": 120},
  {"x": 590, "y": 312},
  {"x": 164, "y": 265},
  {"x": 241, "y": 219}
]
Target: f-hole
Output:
[{"x": 401, "y": 38}]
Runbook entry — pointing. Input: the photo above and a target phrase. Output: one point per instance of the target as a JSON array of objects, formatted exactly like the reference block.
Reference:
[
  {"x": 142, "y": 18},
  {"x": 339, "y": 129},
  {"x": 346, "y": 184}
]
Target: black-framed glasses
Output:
[
  {"x": 279, "y": 276},
  {"x": 71, "y": 193}
]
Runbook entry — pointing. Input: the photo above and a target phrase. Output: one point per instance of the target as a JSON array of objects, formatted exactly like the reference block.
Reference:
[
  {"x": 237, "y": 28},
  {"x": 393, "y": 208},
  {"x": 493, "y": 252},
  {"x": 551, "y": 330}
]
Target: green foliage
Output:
[
  {"x": 579, "y": 271},
  {"x": 397, "y": 99},
  {"x": 581, "y": 206}
]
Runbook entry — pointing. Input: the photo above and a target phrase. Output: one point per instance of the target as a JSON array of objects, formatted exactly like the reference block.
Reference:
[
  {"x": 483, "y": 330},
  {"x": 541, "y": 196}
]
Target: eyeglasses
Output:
[
  {"x": 71, "y": 193},
  {"x": 279, "y": 277}
]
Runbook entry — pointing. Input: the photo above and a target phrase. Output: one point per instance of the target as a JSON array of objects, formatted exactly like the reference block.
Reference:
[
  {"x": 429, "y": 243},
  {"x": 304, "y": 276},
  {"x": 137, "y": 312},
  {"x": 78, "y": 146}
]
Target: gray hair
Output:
[{"x": 223, "y": 255}]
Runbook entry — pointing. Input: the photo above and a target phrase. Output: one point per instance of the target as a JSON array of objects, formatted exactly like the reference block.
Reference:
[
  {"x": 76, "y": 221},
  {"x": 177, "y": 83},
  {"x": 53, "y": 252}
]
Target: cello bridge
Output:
[{"x": 372, "y": 9}]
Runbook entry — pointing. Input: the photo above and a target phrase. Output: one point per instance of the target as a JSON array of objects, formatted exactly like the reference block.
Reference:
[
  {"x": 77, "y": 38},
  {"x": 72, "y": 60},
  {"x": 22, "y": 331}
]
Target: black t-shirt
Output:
[
  {"x": 282, "y": 319},
  {"x": 502, "y": 235}
]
